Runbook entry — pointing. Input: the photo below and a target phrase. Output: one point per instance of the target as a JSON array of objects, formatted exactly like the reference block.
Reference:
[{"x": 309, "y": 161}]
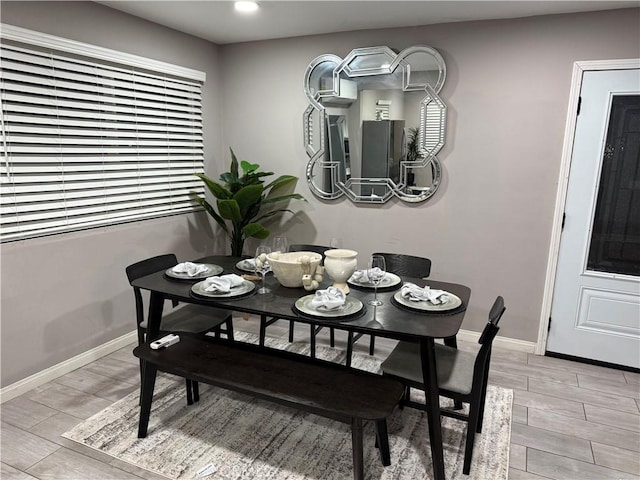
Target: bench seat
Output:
[{"x": 319, "y": 387}]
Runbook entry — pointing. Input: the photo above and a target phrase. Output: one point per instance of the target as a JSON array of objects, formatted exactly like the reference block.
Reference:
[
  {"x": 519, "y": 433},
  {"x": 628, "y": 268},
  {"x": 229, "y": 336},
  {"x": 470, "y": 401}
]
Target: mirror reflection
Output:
[{"x": 374, "y": 124}]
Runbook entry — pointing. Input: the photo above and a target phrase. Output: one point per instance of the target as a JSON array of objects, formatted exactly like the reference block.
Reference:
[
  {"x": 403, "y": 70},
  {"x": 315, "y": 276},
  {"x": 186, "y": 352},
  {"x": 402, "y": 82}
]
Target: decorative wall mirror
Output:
[{"x": 375, "y": 124}]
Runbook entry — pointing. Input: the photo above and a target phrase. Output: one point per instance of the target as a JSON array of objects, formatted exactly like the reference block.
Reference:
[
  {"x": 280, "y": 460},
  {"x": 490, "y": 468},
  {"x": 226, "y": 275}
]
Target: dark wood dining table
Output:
[{"x": 389, "y": 320}]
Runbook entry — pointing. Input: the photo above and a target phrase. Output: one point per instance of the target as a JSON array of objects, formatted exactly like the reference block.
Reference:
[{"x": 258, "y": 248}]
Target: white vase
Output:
[{"x": 340, "y": 265}]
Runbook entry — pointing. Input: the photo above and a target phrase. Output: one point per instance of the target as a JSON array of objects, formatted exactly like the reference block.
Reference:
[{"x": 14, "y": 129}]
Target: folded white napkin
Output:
[
  {"x": 362, "y": 276},
  {"x": 250, "y": 262},
  {"x": 223, "y": 283},
  {"x": 329, "y": 299},
  {"x": 424, "y": 294},
  {"x": 191, "y": 269}
]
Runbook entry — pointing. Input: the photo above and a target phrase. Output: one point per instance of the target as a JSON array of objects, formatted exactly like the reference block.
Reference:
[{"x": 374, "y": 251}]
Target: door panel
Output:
[{"x": 596, "y": 301}]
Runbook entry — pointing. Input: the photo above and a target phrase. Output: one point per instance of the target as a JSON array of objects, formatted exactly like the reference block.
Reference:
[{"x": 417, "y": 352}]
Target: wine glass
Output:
[
  {"x": 376, "y": 271},
  {"x": 262, "y": 265},
  {"x": 279, "y": 244},
  {"x": 335, "y": 243}
]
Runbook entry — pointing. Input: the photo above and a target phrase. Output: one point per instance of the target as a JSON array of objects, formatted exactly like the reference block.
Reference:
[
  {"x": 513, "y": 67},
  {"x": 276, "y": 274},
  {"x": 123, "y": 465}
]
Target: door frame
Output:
[{"x": 563, "y": 182}]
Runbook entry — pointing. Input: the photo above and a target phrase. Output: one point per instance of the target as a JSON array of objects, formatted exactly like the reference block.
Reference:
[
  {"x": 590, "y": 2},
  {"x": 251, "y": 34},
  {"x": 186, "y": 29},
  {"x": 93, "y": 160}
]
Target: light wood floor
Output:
[{"x": 570, "y": 420}]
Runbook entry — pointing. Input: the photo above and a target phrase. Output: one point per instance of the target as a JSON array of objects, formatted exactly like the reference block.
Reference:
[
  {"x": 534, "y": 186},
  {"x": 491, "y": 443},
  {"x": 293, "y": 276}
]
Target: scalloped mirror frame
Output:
[{"x": 369, "y": 62}]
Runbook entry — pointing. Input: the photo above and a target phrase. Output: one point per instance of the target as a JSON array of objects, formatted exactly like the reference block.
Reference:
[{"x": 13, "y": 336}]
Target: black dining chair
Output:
[
  {"x": 190, "y": 318},
  {"x": 402, "y": 265},
  {"x": 265, "y": 322},
  {"x": 462, "y": 376}
]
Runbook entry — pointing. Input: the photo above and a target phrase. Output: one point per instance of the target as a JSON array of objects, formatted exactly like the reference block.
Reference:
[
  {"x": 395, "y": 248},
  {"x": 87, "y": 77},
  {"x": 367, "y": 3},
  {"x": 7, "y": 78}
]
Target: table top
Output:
[{"x": 387, "y": 320}]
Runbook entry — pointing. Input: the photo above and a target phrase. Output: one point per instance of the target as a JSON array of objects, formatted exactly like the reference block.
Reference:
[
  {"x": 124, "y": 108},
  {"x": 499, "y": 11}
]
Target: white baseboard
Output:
[
  {"x": 500, "y": 342},
  {"x": 16, "y": 389}
]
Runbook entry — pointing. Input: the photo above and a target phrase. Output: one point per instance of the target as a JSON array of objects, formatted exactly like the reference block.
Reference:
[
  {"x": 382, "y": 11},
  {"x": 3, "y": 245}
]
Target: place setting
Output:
[
  {"x": 426, "y": 299},
  {"x": 193, "y": 271},
  {"x": 223, "y": 286},
  {"x": 330, "y": 303}
]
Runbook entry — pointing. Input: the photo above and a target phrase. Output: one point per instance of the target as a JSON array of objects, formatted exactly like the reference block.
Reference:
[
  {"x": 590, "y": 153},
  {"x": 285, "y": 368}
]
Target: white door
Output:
[{"x": 596, "y": 300}]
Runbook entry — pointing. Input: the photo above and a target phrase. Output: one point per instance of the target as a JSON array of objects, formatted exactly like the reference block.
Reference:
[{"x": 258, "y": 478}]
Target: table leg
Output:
[
  {"x": 156, "y": 302},
  {"x": 430, "y": 379}
]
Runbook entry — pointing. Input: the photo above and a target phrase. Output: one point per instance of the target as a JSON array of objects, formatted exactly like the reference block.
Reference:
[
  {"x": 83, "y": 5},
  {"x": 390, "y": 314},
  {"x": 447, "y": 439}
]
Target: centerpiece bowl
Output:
[{"x": 289, "y": 268}]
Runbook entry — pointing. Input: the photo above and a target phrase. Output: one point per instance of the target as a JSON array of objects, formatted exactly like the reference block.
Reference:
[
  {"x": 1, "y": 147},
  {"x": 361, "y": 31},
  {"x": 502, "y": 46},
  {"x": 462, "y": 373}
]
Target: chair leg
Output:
[
  {"x": 263, "y": 330},
  {"x": 471, "y": 436},
  {"x": 372, "y": 345},
  {"x": 332, "y": 337},
  {"x": 483, "y": 396},
  {"x": 196, "y": 391},
  {"x": 229, "y": 324},
  {"x": 312, "y": 333},
  {"x": 349, "y": 349},
  {"x": 358, "y": 456},
  {"x": 382, "y": 441},
  {"x": 291, "y": 326},
  {"x": 189, "y": 392}
]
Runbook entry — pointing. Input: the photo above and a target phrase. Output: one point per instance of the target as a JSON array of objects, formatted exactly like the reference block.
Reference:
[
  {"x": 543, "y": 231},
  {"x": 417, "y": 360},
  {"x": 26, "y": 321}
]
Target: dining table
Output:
[{"x": 392, "y": 319}]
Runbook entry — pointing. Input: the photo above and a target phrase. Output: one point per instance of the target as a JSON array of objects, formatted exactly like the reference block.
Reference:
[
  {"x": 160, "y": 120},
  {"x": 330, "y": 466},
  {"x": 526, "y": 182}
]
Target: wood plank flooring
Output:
[{"x": 571, "y": 421}]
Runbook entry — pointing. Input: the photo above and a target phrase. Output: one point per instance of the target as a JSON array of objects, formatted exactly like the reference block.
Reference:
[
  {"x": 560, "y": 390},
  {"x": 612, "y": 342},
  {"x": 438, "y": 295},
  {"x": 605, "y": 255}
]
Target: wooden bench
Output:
[{"x": 322, "y": 388}]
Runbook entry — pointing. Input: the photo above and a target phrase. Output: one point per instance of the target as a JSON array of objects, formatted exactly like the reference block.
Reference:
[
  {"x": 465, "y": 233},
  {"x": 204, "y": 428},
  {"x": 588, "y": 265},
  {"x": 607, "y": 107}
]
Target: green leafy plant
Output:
[
  {"x": 412, "y": 144},
  {"x": 245, "y": 201}
]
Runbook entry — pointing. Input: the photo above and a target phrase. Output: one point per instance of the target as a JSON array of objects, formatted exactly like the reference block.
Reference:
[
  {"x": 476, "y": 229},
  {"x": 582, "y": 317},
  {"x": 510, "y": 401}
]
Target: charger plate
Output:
[
  {"x": 352, "y": 308},
  {"x": 424, "y": 306},
  {"x": 239, "y": 291},
  {"x": 246, "y": 266},
  {"x": 212, "y": 271}
]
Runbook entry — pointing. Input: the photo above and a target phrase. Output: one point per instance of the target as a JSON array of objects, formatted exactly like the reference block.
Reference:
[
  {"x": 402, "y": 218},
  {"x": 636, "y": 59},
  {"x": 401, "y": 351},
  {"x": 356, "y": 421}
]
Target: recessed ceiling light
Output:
[{"x": 246, "y": 6}]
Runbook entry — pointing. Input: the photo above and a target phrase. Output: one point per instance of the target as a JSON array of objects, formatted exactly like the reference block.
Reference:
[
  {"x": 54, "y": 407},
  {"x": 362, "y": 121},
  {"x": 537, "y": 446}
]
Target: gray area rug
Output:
[{"x": 245, "y": 438}]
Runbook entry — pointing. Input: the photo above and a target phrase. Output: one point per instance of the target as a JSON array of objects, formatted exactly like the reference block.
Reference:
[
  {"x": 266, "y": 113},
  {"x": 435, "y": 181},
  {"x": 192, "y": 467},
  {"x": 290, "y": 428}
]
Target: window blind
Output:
[{"x": 88, "y": 143}]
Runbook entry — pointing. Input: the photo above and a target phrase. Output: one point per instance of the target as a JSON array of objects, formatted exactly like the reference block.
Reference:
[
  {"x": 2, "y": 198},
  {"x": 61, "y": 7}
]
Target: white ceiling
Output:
[{"x": 218, "y": 22}]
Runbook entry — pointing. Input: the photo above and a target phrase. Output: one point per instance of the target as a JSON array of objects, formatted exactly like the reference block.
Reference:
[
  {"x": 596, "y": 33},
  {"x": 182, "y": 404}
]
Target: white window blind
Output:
[{"x": 89, "y": 143}]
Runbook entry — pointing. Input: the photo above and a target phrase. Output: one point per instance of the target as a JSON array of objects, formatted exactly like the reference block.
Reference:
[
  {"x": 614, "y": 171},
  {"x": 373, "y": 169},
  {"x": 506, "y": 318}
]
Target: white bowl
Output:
[{"x": 288, "y": 267}]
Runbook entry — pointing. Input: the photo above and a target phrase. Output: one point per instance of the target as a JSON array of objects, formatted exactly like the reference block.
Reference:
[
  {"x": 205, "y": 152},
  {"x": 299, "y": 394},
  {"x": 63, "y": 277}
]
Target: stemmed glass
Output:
[
  {"x": 376, "y": 271},
  {"x": 262, "y": 265},
  {"x": 280, "y": 244}
]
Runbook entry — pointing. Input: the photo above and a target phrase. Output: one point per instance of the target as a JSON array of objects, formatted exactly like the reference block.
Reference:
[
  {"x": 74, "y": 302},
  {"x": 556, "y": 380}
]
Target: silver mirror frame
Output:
[{"x": 432, "y": 115}]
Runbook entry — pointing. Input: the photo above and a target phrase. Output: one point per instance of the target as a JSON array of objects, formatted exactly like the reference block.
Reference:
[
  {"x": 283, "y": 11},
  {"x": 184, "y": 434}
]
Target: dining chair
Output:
[
  {"x": 402, "y": 265},
  {"x": 265, "y": 322},
  {"x": 190, "y": 318},
  {"x": 462, "y": 376}
]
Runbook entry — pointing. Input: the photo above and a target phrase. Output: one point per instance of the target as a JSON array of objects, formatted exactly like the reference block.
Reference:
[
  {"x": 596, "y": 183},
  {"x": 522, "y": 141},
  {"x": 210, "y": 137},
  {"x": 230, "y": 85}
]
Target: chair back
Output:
[
  {"x": 407, "y": 265},
  {"x": 147, "y": 267},
  {"x": 486, "y": 338},
  {"x": 303, "y": 247}
]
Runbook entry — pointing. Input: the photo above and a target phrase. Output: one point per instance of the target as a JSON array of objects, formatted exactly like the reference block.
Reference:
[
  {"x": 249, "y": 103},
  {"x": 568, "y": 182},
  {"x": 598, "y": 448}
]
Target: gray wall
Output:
[
  {"x": 65, "y": 294},
  {"x": 488, "y": 226},
  {"x": 507, "y": 92}
]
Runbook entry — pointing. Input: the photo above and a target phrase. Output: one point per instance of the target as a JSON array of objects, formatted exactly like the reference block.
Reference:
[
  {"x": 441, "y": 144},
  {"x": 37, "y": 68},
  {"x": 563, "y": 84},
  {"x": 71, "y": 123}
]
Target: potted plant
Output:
[{"x": 245, "y": 201}]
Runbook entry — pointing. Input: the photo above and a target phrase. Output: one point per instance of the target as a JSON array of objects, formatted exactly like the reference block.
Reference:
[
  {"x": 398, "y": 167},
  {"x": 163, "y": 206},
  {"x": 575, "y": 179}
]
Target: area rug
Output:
[{"x": 249, "y": 439}]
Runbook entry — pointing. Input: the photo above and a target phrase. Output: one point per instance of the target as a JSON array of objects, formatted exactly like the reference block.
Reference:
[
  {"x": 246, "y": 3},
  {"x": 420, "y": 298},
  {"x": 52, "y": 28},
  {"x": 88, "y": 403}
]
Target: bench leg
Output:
[
  {"x": 332, "y": 337},
  {"x": 358, "y": 455},
  {"x": 382, "y": 440},
  {"x": 148, "y": 384},
  {"x": 453, "y": 343}
]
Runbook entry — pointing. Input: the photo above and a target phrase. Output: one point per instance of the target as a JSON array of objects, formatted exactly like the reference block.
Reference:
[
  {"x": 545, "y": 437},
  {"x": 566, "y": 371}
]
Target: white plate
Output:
[
  {"x": 389, "y": 280},
  {"x": 212, "y": 271},
  {"x": 243, "y": 289},
  {"x": 452, "y": 302},
  {"x": 351, "y": 306},
  {"x": 245, "y": 266}
]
